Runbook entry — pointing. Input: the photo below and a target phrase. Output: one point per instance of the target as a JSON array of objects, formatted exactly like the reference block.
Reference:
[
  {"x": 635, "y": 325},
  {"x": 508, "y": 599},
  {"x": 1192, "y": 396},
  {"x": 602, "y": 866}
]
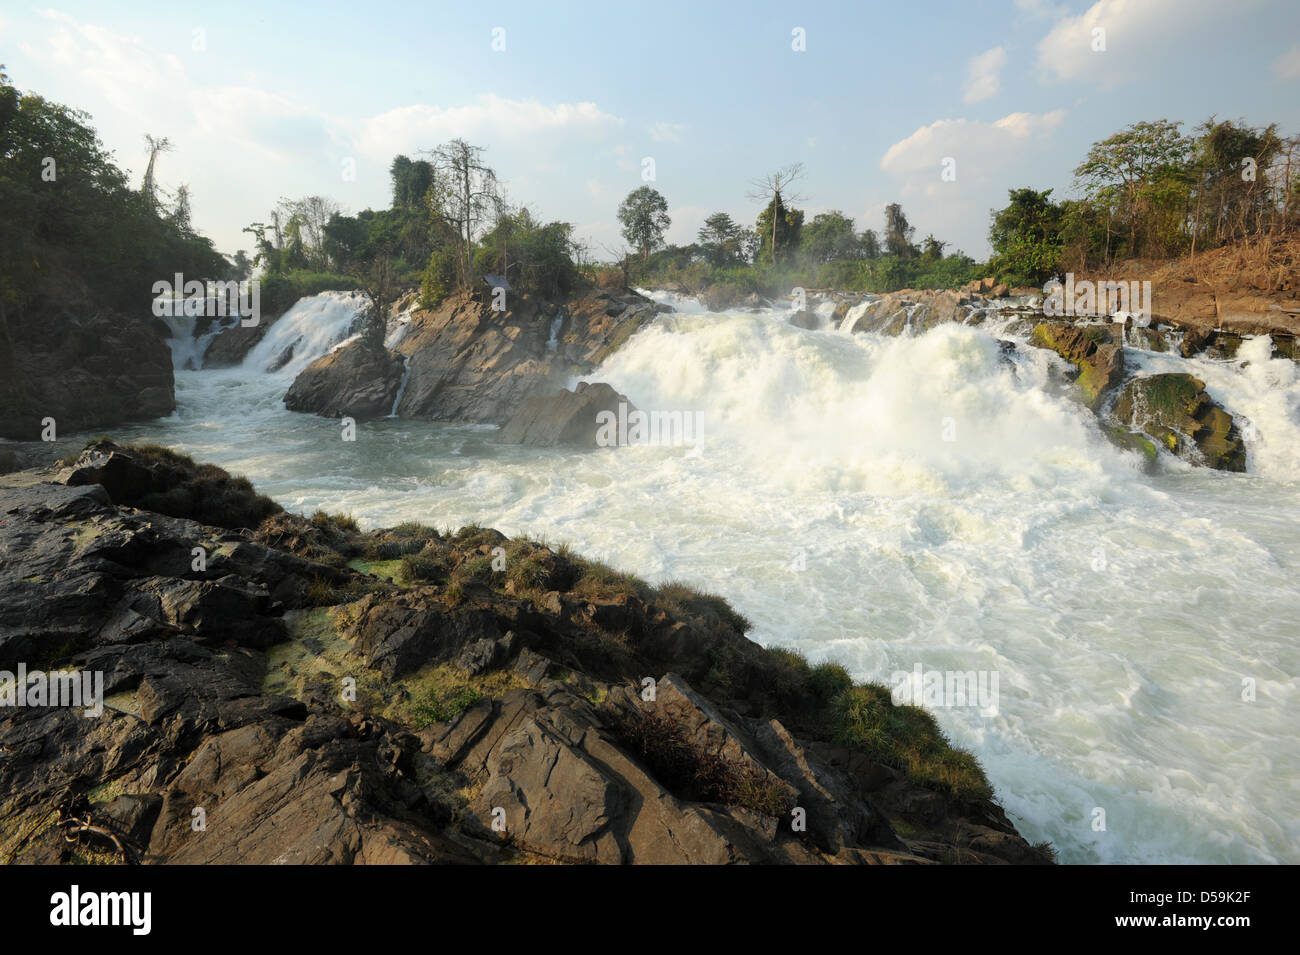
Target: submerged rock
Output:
[{"x": 1176, "y": 411}]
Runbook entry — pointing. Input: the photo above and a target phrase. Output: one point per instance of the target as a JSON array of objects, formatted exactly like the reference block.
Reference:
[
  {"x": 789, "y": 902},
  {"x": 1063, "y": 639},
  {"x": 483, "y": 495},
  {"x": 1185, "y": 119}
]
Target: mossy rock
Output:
[
  {"x": 1091, "y": 348},
  {"x": 1175, "y": 410}
]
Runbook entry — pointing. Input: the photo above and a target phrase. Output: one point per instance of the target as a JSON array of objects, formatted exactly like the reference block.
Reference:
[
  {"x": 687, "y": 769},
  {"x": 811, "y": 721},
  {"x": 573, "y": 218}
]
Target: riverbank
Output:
[{"x": 314, "y": 693}]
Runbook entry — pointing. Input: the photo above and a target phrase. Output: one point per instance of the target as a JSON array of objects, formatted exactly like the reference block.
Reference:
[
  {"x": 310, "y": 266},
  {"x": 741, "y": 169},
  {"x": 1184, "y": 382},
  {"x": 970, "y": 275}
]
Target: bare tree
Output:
[
  {"x": 149, "y": 187},
  {"x": 464, "y": 194},
  {"x": 774, "y": 188}
]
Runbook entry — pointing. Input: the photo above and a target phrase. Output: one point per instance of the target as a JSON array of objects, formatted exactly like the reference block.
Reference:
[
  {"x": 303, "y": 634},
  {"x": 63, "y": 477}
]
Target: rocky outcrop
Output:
[
  {"x": 269, "y": 704},
  {"x": 569, "y": 418},
  {"x": 466, "y": 362},
  {"x": 83, "y": 366},
  {"x": 1175, "y": 410},
  {"x": 231, "y": 345},
  {"x": 357, "y": 380},
  {"x": 1093, "y": 349}
]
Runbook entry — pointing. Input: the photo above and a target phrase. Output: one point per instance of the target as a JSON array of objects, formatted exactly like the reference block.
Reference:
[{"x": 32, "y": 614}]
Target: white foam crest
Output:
[
  {"x": 310, "y": 328},
  {"x": 888, "y": 415},
  {"x": 1261, "y": 391}
]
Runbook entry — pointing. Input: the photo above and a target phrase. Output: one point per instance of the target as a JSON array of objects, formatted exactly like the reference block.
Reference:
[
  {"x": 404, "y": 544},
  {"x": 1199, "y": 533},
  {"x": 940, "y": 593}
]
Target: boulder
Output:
[
  {"x": 1175, "y": 410},
  {"x": 358, "y": 380},
  {"x": 231, "y": 345},
  {"x": 83, "y": 366},
  {"x": 568, "y": 418},
  {"x": 468, "y": 363},
  {"x": 805, "y": 319},
  {"x": 1092, "y": 348}
]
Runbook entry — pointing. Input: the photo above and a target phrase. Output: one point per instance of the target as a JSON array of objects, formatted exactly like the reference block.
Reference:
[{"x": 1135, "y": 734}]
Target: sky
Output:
[{"x": 268, "y": 100}]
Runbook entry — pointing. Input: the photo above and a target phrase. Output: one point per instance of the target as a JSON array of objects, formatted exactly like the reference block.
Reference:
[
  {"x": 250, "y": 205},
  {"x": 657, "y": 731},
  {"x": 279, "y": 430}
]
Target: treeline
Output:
[
  {"x": 449, "y": 224},
  {"x": 72, "y": 227},
  {"x": 1151, "y": 192},
  {"x": 782, "y": 250}
]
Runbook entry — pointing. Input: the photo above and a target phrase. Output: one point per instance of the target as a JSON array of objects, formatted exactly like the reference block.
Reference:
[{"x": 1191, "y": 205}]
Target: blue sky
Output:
[{"x": 266, "y": 100}]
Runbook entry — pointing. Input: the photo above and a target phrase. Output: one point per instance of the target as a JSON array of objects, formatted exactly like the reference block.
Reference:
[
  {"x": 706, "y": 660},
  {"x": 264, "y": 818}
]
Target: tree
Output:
[
  {"x": 180, "y": 216},
  {"x": 779, "y": 228},
  {"x": 932, "y": 250},
  {"x": 463, "y": 192},
  {"x": 1134, "y": 170},
  {"x": 829, "y": 238},
  {"x": 775, "y": 189},
  {"x": 898, "y": 233},
  {"x": 411, "y": 180},
  {"x": 722, "y": 240},
  {"x": 870, "y": 244},
  {"x": 644, "y": 217},
  {"x": 1026, "y": 237},
  {"x": 148, "y": 188}
]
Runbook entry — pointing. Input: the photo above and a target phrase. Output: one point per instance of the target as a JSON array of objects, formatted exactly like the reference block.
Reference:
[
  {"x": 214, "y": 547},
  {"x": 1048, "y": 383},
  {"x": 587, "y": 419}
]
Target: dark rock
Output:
[
  {"x": 1175, "y": 410},
  {"x": 83, "y": 366},
  {"x": 569, "y": 418},
  {"x": 357, "y": 380}
]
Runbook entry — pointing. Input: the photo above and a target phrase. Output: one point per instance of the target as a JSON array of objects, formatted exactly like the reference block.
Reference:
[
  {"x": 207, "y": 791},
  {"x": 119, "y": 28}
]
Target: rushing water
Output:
[{"x": 1121, "y": 611}]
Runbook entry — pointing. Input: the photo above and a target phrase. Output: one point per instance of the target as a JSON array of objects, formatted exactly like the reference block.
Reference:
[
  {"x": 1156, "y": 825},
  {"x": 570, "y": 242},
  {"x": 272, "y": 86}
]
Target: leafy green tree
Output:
[
  {"x": 932, "y": 250},
  {"x": 1026, "y": 237},
  {"x": 776, "y": 189},
  {"x": 722, "y": 240},
  {"x": 870, "y": 244},
  {"x": 898, "y": 233},
  {"x": 830, "y": 237},
  {"x": 1132, "y": 171},
  {"x": 644, "y": 217},
  {"x": 71, "y": 226},
  {"x": 411, "y": 181}
]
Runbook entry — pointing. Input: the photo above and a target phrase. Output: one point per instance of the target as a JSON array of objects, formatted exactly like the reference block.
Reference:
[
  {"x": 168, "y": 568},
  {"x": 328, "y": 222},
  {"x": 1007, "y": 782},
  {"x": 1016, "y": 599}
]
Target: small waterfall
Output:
[
  {"x": 187, "y": 348},
  {"x": 852, "y": 316},
  {"x": 557, "y": 323},
  {"x": 311, "y": 328},
  {"x": 401, "y": 388}
]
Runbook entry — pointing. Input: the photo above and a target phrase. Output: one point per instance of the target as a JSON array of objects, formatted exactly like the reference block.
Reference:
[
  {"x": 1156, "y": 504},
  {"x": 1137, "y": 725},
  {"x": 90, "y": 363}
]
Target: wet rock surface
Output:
[{"x": 308, "y": 693}]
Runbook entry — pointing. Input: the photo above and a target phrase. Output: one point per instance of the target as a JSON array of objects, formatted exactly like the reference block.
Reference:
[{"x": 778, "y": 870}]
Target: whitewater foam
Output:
[{"x": 1120, "y": 610}]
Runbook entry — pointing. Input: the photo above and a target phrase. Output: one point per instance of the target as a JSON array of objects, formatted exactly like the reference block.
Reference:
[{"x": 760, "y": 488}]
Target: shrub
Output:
[{"x": 907, "y": 738}]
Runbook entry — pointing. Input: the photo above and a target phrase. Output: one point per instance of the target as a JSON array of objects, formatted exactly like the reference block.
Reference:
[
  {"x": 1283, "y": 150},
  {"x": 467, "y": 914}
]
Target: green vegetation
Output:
[
  {"x": 449, "y": 224},
  {"x": 73, "y": 228},
  {"x": 825, "y": 253},
  {"x": 906, "y": 738},
  {"x": 178, "y": 487},
  {"x": 1151, "y": 192}
]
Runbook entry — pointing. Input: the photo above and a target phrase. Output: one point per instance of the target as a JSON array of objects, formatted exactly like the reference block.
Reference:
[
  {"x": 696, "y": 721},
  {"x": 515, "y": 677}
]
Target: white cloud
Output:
[
  {"x": 667, "y": 132},
  {"x": 686, "y": 224},
  {"x": 1139, "y": 36},
  {"x": 410, "y": 128},
  {"x": 1287, "y": 66},
  {"x": 983, "y": 75},
  {"x": 986, "y": 157},
  {"x": 977, "y": 147}
]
